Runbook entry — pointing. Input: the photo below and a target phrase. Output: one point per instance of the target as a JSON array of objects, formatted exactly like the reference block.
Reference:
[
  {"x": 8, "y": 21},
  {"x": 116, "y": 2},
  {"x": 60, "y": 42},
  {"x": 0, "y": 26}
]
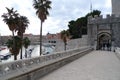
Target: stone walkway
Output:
[{"x": 98, "y": 65}]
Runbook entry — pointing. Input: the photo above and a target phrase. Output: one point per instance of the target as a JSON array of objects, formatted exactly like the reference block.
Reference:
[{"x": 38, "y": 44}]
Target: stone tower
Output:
[{"x": 116, "y": 7}]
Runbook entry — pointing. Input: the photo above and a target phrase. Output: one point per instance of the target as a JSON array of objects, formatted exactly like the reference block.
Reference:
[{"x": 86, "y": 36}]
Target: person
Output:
[
  {"x": 110, "y": 46},
  {"x": 30, "y": 52},
  {"x": 103, "y": 46},
  {"x": 107, "y": 46}
]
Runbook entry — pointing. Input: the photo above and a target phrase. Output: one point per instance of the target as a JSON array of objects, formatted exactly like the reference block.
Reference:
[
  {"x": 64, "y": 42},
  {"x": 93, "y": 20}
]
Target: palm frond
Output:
[{"x": 42, "y": 7}]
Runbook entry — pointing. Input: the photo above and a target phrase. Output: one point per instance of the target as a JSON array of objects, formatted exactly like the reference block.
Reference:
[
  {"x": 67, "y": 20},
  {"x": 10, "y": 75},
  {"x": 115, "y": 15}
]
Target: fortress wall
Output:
[
  {"x": 116, "y": 34},
  {"x": 115, "y": 7},
  {"x": 73, "y": 43},
  {"x": 110, "y": 24},
  {"x": 103, "y": 20}
]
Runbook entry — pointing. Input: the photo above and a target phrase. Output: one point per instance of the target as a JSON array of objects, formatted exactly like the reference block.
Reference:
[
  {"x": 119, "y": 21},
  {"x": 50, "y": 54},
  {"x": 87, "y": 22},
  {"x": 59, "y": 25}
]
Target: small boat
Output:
[
  {"x": 2, "y": 49},
  {"x": 5, "y": 57}
]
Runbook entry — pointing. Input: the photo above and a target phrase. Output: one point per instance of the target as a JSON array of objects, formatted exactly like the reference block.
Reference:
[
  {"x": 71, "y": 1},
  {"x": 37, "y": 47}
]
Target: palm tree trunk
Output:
[
  {"x": 21, "y": 53},
  {"x": 25, "y": 53},
  {"x": 15, "y": 57},
  {"x": 41, "y": 38},
  {"x": 21, "y": 47},
  {"x": 65, "y": 45},
  {"x": 13, "y": 33}
]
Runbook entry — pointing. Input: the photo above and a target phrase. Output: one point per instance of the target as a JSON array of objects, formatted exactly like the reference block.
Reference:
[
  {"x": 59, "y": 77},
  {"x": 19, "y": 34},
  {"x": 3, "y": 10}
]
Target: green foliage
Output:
[
  {"x": 74, "y": 29},
  {"x": 65, "y": 33},
  {"x": 79, "y": 26},
  {"x": 15, "y": 22},
  {"x": 93, "y": 13},
  {"x": 15, "y": 46},
  {"x": 22, "y": 24},
  {"x": 26, "y": 42},
  {"x": 9, "y": 43},
  {"x": 42, "y": 7},
  {"x": 10, "y": 18}
]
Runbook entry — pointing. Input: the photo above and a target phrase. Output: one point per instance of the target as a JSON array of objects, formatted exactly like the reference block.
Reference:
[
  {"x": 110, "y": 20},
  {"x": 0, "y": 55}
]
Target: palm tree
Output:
[
  {"x": 16, "y": 23},
  {"x": 17, "y": 43},
  {"x": 21, "y": 27},
  {"x": 10, "y": 19},
  {"x": 26, "y": 43},
  {"x": 64, "y": 36},
  {"x": 42, "y": 7}
]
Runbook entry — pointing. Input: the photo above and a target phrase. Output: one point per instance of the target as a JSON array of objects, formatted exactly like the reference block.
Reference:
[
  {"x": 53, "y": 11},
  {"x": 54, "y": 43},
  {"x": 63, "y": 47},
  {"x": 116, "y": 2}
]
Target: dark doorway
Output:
[{"x": 104, "y": 42}]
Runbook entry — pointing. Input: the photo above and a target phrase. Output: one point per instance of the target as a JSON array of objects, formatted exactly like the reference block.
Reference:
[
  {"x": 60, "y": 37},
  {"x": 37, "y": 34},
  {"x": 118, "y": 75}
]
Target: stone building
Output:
[
  {"x": 33, "y": 38},
  {"x": 115, "y": 7},
  {"x": 4, "y": 39},
  {"x": 104, "y": 32},
  {"x": 53, "y": 39}
]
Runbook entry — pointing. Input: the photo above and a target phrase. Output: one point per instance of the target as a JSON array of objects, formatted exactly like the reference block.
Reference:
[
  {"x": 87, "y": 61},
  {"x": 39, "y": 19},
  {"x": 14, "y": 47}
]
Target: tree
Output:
[
  {"x": 21, "y": 27},
  {"x": 74, "y": 29},
  {"x": 79, "y": 26},
  {"x": 16, "y": 23},
  {"x": 10, "y": 19},
  {"x": 93, "y": 13},
  {"x": 42, "y": 7},
  {"x": 64, "y": 36},
  {"x": 17, "y": 43},
  {"x": 26, "y": 43}
]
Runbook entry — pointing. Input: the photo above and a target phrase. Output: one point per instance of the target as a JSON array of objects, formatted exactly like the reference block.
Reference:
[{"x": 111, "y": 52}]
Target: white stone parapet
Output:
[{"x": 16, "y": 68}]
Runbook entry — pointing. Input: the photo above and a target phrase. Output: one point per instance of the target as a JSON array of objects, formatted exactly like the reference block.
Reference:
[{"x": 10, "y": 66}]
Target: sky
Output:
[{"x": 61, "y": 13}]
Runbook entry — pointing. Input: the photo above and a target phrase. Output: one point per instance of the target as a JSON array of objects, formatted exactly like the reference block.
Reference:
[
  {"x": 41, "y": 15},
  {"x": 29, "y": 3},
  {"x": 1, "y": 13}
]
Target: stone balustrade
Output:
[{"x": 12, "y": 70}]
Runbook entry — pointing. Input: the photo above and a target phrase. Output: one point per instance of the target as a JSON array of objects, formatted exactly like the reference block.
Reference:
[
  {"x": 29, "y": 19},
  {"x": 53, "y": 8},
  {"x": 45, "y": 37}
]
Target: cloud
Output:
[{"x": 61, "y": 13}]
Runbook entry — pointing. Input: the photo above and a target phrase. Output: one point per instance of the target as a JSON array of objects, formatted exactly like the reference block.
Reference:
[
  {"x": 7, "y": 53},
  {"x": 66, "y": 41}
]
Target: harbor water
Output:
[{"x": 31, "y": 51}]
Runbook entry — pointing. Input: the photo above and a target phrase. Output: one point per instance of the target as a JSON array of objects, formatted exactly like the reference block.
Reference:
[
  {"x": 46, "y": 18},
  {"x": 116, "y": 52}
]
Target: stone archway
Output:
[{"x": 104, "y": 41}]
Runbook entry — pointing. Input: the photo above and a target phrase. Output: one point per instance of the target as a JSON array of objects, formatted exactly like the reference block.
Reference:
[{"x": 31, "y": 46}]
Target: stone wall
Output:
[
  {"x": 34, "y": 68},
  {"x": 103, "y": 20},
  {"x": 116, "y": 34},
  {"x": 117, "y": 51},
  {"x": 115, "y": 7},
  {"x": 72, "y": 44}
]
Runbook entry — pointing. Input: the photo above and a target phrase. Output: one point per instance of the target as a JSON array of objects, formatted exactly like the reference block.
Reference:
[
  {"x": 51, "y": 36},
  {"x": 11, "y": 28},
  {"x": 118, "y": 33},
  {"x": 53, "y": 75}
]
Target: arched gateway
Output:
[{"x": 104, "y": 41}]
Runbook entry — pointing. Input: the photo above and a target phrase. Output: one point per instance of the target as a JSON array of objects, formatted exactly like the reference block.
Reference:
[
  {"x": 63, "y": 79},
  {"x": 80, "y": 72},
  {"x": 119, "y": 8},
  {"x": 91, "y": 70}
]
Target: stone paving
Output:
[{"x": 98, "y": 65}]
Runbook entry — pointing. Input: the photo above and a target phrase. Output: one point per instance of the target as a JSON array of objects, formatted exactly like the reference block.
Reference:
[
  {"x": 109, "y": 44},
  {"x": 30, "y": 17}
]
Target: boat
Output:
[
  {"x": 5, "y": 57},
  {"x": 2, "y": 49}
]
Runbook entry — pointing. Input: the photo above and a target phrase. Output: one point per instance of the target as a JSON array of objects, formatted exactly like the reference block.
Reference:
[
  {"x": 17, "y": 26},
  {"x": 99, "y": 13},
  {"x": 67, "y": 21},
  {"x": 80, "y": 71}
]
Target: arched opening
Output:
[{"x": 104, "y": 41}]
